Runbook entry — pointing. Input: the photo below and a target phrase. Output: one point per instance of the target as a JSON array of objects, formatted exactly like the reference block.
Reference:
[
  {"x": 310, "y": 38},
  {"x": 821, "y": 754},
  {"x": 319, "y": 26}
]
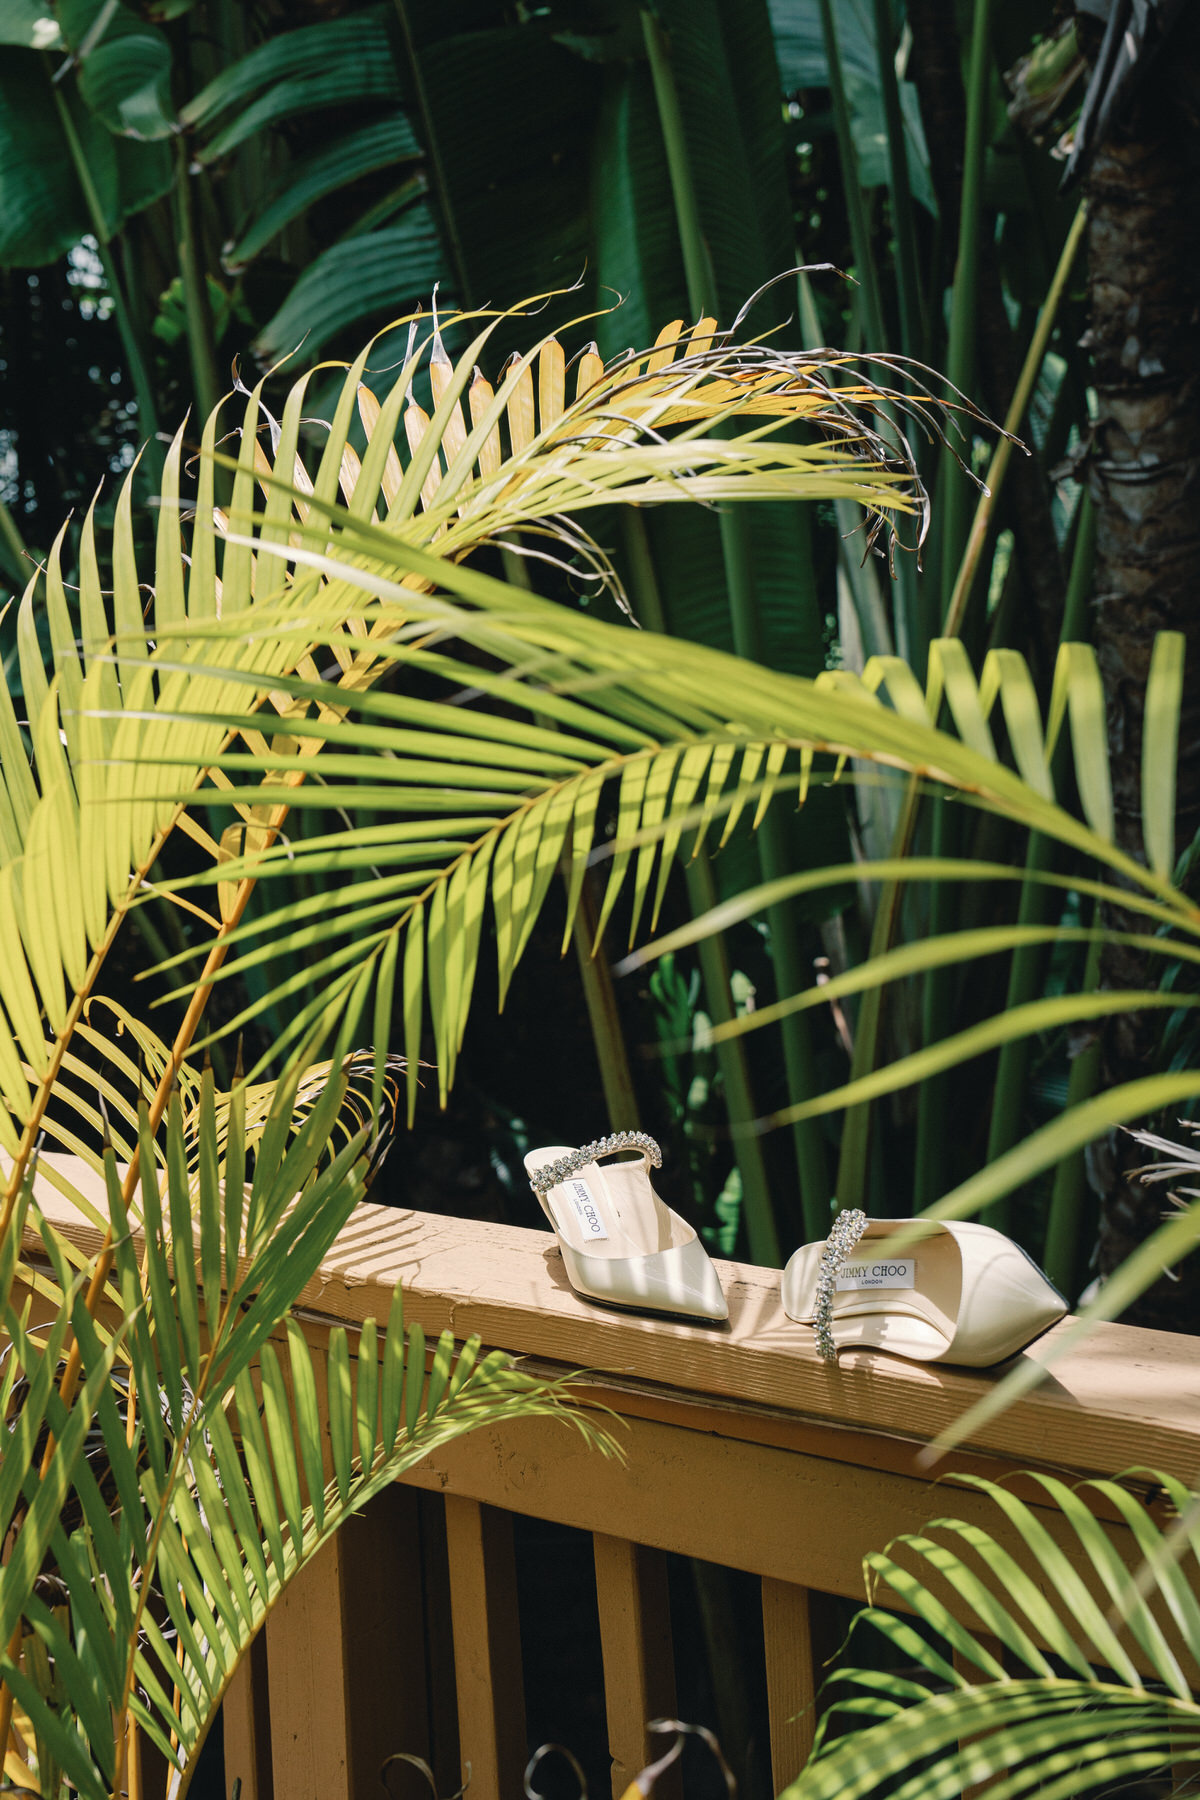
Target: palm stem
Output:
[
  {"x": 1064, "y": 1221},
  {"x": 13, "y": 552},
  {"x": 130, "y": 342},
  {"x": 201, "y": 345},
  {"x": 761, "y": 1233},
  {"x": 985, "y": 511},
  {"x": 932, "y": 1153},
  {"x": 856, "y": 1127},
  {"x": 599, "y": 994},
  {"x": 899, "y": 187},
  {"x": 158, "y": 1106},
  {"x": 964, "y": 294},
  {"x": 933, "y": 1136},
  {"x": 787, "y": 954},
  {"x": 437, "y": 173},
  {"x": 1079, "y": 584},
  {"x": 1028, "y": 963},
  {"x": 697, "y": 263},
  {"x": 595, "y": 971},
  {"x": 859, "y": 574},
  {"x": 102, "y": 1266},
  {"x": 868, "y": 300}
]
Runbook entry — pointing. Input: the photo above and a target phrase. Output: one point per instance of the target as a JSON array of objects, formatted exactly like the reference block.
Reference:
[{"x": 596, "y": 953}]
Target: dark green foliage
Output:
[{"x": 661, "y": 162}]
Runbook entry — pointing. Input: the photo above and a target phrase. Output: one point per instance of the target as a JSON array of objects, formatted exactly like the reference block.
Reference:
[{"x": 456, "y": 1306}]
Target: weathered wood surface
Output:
[
  {"x": 639, "y": 1667},
  {"x": 1126, "y": 1397},
  {"x": 740, "y": 1447},
  {"x": 487, "y": 1648},
  {"x": 794, "y": 1675},
  {"x": 248, "y": 1727}
]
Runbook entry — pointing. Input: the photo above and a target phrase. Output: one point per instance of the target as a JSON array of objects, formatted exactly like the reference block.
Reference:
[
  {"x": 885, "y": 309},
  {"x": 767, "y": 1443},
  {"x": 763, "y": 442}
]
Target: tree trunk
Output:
[{"x": 1143, "y": 473}]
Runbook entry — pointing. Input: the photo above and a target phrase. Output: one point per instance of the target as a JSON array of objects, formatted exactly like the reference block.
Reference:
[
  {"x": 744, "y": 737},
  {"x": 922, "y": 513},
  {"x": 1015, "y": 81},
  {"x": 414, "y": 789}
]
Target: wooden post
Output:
[
  {"x": 310, "y": 1726},
  {"x": 487, "y": 1648},
  {"x": 346, "y": 1644},
  {"x": 247, "y": 1723},
  {"x": 793, "y": 1676},
  {"x": 383, "y": 1621},
  {"x": 639, "y": 1667},
  {"x": 444, "y": 1756}
]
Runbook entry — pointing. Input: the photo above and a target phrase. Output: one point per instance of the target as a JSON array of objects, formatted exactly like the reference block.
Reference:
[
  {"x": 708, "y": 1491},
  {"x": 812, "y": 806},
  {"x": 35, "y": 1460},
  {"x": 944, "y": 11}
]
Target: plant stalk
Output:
[
  {"x": 201, "y": 342},
  {"x": 139, "y": 372},
  {"x": 1064, "y": 1222},
  {"x": 599, "y": 993},
  {"x": 157, "y": 1111},
  {"x": 595, "y": 972},
  {"x": 13, "y": 551},
  {"x": 899, "y": 187},
  {"x": 867, "y": 299},
  {"x": 786, "y": 952},
  {"x": 853, "y": 1160},
  {"x": 985, "y": 510},
  {"x": 964, "y": 294},
  {"x": 1028, "y": 964},
  {"x": 933, "y": 1134},
  {"x": 761, "y": 1232},
  {"x": 437, "y": 173}
]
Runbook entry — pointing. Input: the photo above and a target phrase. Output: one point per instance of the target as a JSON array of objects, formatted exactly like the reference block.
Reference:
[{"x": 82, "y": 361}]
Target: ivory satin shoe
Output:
[
  {"x": 962, "y": 1293},
  {"x": 620, "y": 1244}
]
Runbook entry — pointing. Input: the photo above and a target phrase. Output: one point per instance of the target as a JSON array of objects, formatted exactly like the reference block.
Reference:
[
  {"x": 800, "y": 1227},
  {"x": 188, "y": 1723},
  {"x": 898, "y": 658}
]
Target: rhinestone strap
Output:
[
  {"x": 550, "y": 1174},
  {"x": 848, "y": 1227}
]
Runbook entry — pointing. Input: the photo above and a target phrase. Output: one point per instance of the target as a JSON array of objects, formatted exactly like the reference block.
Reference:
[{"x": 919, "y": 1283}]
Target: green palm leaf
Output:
[
  {"x": 177, "y": 1507},
  {"x": 360, "y": 568},
  {"x": 659, "y": 697},
  {"x": 1123, "y": 1705}
]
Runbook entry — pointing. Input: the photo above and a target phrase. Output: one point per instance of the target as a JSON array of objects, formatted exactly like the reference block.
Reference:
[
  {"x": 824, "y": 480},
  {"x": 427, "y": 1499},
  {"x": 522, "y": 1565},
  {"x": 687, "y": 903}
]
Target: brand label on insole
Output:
[
  {"x": 587, "y": 1213},
  {"x": 899, "y": 1272}
]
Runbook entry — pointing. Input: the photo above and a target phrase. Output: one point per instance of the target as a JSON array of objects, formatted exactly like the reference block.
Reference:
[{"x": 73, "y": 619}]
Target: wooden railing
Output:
[{"x": 741, "y": 1448}]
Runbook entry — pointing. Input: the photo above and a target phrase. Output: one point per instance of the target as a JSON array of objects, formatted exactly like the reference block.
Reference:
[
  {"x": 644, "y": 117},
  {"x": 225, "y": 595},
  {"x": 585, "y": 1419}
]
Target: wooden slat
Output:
[
  {"x": 487, "y": 1648},
  {"x": 439, "y": 1644},
  {"x": 723, "y": 1500},
  {"x": 382, "y": 1607},
  {"x": 247, "y": 1727},
  {"x": 306, "y": 1648},
  {"x": 1125, "y": 1398},
  {"x": 793, "y": 1677},
  {"x": 347, "y": 1657},
  {"x": 635, "y": 1637}
]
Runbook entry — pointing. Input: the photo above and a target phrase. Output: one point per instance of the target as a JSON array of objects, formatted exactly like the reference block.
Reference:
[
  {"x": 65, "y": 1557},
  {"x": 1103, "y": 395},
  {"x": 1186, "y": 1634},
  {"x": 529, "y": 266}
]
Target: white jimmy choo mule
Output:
[
  {"x": 962, "y": 1293},
  {"x": 620, "y": 1244}
]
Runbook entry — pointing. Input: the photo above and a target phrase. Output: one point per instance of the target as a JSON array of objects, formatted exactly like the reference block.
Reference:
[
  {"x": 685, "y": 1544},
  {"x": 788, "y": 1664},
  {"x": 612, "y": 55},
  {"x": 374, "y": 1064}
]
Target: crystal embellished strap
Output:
[
  {"x": 848, "y": 1227},
  {"x": 550, "y": 1174}
]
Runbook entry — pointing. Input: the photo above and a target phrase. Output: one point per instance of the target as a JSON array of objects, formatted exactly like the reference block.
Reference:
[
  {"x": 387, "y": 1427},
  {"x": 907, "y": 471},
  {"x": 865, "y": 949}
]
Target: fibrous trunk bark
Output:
[{"x": 1143, "y": 472}]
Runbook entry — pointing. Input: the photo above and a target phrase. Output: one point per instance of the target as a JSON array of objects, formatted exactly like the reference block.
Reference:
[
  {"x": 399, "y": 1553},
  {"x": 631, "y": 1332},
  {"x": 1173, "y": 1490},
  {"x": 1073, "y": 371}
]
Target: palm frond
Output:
[
  {"x": 143, "y": 698},
  {"x": 678, "y": 735},
  {"x": 211, "y": 1492},
  {"x": 1056, "y": 1681},
  {"x": 644, "y": 715}
]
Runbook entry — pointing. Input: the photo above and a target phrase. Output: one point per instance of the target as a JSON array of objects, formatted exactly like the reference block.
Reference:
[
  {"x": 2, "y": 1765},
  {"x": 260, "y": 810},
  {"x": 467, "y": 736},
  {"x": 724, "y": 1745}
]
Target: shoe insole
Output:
[
  {"x": 927, "y": 1276},
  {"x": 612, "y": 1211}
]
